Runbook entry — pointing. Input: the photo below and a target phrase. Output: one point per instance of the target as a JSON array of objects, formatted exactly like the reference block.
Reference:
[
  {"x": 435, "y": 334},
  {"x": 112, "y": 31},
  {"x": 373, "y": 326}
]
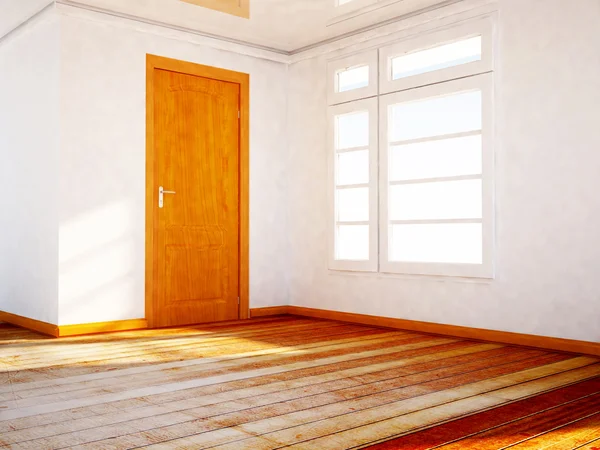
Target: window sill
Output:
[{"x": 406, "y": 276}]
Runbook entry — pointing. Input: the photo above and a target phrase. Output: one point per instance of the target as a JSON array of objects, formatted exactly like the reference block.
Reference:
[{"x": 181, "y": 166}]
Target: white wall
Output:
[
  {"x": 547, "y": 200},
  {"x": 102, "y": 182},
  {"x": 14, "y": 13},
  {"x": 29, "y": 96},
  {"x": 548, "y": 88}
]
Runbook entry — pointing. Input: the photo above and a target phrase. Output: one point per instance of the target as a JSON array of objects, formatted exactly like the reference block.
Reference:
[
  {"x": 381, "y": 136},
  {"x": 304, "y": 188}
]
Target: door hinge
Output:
[
  {"x": 238, "y": 114},
  {"x": 238, "y": 300}
]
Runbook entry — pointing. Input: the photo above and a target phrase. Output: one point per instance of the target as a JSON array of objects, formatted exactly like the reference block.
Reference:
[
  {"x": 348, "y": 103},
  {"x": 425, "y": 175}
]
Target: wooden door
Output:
[{"x": 195, "y": 223}]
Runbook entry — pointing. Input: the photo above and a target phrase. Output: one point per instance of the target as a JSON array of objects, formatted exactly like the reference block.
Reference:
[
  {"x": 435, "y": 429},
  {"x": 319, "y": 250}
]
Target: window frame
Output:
[
  {"x": 370, "y": 265},
  {"x": 480, "y": 27},
  {"x": 483, "y": 82},
  {"x": 368, "y": 58},
  {"x": 476, "y": 73}
]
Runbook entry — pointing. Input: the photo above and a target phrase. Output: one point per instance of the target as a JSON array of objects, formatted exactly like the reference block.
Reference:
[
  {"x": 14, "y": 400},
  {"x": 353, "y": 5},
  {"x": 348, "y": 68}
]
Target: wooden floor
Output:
[{"x": 291, "y": 382}]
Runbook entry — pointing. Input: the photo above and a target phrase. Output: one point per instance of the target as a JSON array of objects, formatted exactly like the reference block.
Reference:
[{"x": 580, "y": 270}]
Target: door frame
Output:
[{"x": 243, "y": 79}]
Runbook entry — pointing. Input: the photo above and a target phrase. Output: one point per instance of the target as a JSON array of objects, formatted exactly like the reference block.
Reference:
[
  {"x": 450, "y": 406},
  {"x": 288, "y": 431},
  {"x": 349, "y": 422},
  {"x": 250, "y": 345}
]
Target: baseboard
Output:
[
  {"x": 101, "y": 327},
  {"x": 505, "y": 337},
  {"x": 269, "y": 311},
  {"x": 72, "y": 330},
  {"x": 31, "y": 324},
  {"x": 480, "y": 334}
]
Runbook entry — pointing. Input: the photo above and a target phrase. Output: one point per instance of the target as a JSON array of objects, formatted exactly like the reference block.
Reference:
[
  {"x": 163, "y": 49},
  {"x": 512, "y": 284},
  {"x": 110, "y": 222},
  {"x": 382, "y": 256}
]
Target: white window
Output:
[
  {"x": 412, "y": 179},
  {"x": 435, "y": 179},
  {"x": 444, "y": 55},
  {"x": 353, "y": 165},
  {"x": 441, "y": 57},
  {"x": 353, "y": 77}
]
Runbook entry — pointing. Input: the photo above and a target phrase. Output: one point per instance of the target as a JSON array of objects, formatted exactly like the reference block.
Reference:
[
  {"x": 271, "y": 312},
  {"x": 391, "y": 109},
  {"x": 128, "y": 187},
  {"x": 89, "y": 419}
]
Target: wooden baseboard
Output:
[
  {"x": 269, "y": 311},
  {"x": 31, "y": 324},
  {"x": 505, "y": 337},
  {"x": 72, "y": 330},
  {"x": 101, "y": 327},
  {"x": 480, "y": 334}
]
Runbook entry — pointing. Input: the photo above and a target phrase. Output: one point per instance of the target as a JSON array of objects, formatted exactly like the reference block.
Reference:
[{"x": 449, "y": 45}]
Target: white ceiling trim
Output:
[
  {"x": 360, "y": 38},
  {"x": 276, "y": 53},
  {"x": 397, "y": 28},
  {"x": 369, "y": 7}
]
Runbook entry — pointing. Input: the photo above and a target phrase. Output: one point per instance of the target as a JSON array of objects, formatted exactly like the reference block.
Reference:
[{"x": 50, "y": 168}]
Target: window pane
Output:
[
  {"x": 440, "y": 243},
  {"x": 352, "y": 130},
  {"x": 444, "y": 158},
  {"x": 353, "y": 78},
  {"x": 436, "y": 116},
  {"x": 352, "y": 242},
  {"x": 353, "y": 167},
  {"x": 441, "y": 57},
  {"x": 352, "y": 204},
  {"x": 443, "y": 200}
]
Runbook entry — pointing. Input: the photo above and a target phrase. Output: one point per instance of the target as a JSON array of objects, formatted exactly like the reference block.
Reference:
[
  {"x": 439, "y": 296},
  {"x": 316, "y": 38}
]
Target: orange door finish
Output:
[{"x": 196, "y": 221}]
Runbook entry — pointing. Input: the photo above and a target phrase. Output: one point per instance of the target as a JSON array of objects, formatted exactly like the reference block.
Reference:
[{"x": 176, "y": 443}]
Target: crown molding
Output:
[
  {"x": 362, "y": 37},
  {"x": 75, "y": 8},
  {"x": 397, "y": 28}
]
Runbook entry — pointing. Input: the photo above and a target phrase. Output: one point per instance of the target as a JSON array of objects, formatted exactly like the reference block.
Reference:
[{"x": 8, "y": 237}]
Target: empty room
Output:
[{"x": 304, "y": 224}]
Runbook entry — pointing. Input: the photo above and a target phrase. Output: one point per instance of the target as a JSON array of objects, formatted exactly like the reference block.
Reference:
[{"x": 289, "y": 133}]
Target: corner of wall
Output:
[
  {"x": 29, "y": 151},
  {"x": 288, "y": 263}
]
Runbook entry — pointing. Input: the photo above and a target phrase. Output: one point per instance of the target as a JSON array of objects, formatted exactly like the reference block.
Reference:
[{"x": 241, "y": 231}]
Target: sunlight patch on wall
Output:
[
  {"x": 94, "y": 229},
  {"x": 97, "y": 261}
]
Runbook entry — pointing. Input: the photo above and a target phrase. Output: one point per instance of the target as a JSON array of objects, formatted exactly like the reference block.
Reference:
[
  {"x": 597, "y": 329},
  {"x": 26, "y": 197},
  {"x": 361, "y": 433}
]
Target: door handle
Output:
[{"x": 161, "y": 195}]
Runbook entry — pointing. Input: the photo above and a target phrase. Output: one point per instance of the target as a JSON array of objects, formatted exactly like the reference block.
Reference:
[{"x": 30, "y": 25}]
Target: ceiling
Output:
[{"x": 284, "y": 25}]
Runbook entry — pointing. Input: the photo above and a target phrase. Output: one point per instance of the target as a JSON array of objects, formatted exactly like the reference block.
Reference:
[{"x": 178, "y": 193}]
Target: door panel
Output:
[{"x": 196, "y": 232}]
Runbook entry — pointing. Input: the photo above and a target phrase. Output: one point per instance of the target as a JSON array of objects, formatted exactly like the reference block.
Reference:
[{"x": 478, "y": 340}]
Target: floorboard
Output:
[{"x": 289, "y": 382}]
